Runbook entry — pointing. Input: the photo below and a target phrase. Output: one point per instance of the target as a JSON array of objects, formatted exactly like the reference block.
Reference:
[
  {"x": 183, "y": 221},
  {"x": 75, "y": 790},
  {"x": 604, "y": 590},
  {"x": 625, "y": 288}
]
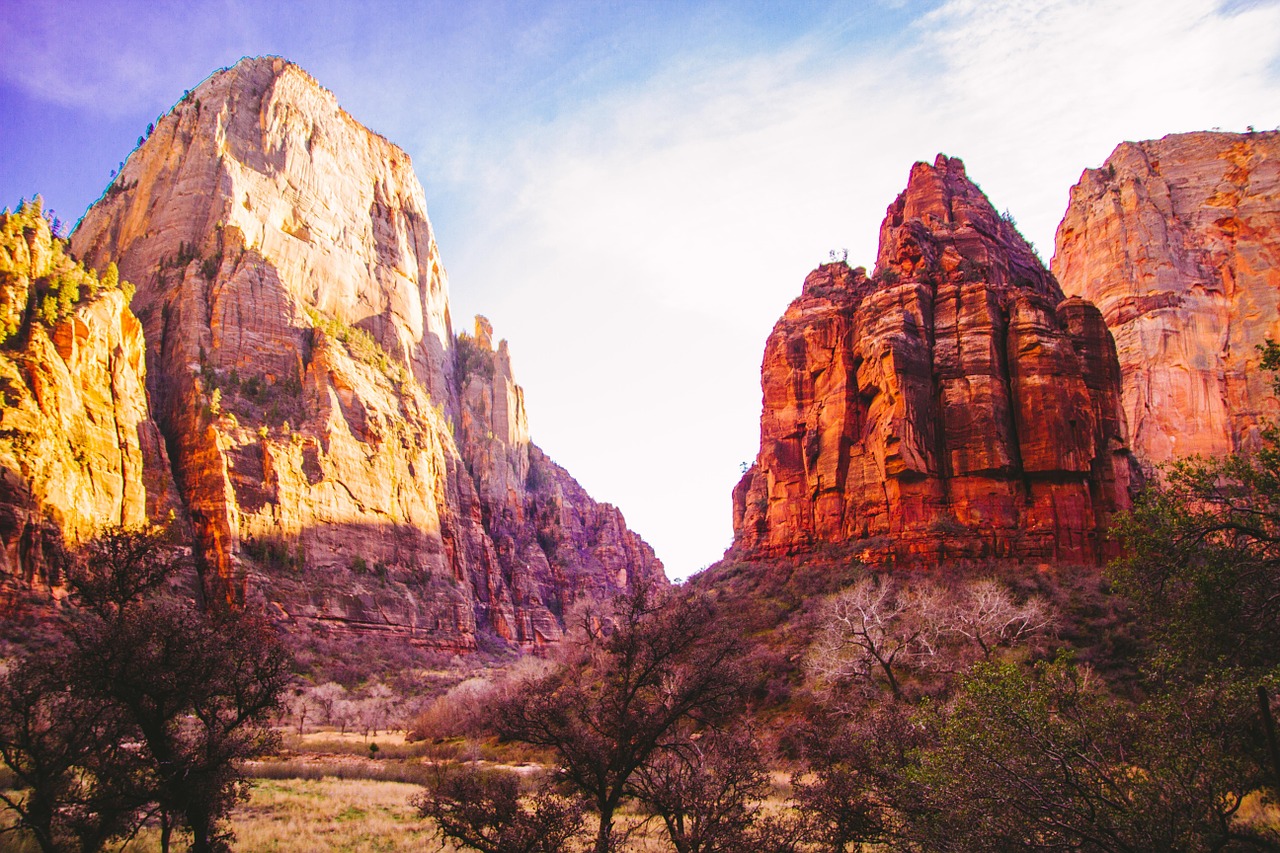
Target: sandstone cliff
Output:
[
  {"x": 1175, "y": 240},
  {"x": 78, "y": 448},
  {"x": 303, "y": 368},
  {"x": 953, "y": 405},
  {"x": 552, "y": 540}
]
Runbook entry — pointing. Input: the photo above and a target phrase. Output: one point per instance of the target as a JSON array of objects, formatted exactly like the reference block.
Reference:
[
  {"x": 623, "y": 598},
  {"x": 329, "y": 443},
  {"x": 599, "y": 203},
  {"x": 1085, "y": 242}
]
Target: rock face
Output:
[
  {"x": 954, "y": 405},
  {"x": 1177, "y": 241},
  {"x": 303, "y": 369},
  {"x": 78, "y": 448},
  {"x": 552, "y": 541}
]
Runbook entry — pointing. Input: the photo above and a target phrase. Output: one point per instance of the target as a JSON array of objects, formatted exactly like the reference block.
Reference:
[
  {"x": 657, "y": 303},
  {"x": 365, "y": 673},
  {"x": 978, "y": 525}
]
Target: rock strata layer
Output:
[
  {"x": 329, "y": 443},
  {"x": 1177, "y": 241},
  {"x": 952, "y": 405}
]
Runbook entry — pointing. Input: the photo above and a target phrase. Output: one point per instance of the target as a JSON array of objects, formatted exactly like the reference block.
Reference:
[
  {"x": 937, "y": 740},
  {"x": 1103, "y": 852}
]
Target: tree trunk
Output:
[
  {"x": 605, "y": 834},
  {"x": 1264, "y": 705},
  {"x": 39, "y": 819},
  {"x": 201, "y": 825}
]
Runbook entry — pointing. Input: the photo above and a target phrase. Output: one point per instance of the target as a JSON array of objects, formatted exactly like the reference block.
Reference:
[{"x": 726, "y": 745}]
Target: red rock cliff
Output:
[
  {"x": 953, "y": 405},
  {"x": 1176, "y": 241},
  {"x": 302, "y": 364}
]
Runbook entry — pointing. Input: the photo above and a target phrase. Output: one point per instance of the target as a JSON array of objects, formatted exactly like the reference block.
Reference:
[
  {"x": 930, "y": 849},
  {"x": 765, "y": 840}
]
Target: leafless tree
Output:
[
  {"x": 659, "y": 661},
  {"x": 987, "y": 615},
  {"x": 484, "y": 810},
  {"x": 874, "y": 631},
  {"x": 708, "y": 788},
  {"x": 326, "y": 698}
]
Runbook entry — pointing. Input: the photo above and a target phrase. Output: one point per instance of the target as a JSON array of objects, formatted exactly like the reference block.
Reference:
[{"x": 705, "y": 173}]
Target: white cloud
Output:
[{"x": 638, "y": 249}]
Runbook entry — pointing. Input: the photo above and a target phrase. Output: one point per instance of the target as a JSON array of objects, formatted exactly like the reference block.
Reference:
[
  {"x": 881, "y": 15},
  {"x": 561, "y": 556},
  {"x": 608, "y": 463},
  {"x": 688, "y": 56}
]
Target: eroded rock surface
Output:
[
  {"x": 303, "y": 366},
  {"x": 1177, "y": 241},
  {"x": 78, "y": 448},
  {"x": 954, "y": 405}
]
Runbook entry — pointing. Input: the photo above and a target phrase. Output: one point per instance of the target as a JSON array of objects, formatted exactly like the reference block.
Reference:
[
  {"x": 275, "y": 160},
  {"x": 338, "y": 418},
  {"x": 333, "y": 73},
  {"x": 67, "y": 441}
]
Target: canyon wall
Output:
[
  {"x": 303, "y": 368},
  {"x": 1175, "y": 240},
  {"x": 78, "y": 448},
  {"x": 954, "y": 405}
]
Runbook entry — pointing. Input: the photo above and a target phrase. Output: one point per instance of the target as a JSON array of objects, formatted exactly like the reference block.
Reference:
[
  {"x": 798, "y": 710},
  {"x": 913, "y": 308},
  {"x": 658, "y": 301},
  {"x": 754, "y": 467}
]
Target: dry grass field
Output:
[
  {"x": 349, "y": 815},
  {"x": 309, "y": 815}
]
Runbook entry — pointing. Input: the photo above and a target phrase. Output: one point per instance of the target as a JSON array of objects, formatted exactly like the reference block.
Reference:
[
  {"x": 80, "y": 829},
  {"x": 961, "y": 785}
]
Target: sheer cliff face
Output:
[
  {"x": 78, "y": 448},
  {"x": 302, "y": 367},
  {"x": 553, "y": 542},
  {"x": 952, "y": 406},
  {"x": 1175, "y": 240},
  {"x": 260, "y": 160}
]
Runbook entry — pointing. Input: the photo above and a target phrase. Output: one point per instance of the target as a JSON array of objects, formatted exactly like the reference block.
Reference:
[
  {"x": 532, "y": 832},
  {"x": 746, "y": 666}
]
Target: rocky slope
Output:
[
  {"x": 302, "y": 366},
  {"x": 953, "y": 405},
  {"x": 1175, "y": 240},
  {"x": 78, "y": 448}
]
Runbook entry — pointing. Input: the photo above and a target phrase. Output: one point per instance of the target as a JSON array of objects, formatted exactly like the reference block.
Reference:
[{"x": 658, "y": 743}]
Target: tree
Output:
[
  {"x": 155, "y": 704},
  {"x": 199, "y": 688},
  {"x": 987, "y": 615},
  {"x": 1203, "y": 569},
  {"x": 875, "y": 630},
  {"x": 856, "y": 769},
  {"x": 1203, "y": 558},
  {"x": 482, "y": 809},
  {"x": 658, "y": 661},
  {"x": 706, "y": 789},
  {"x": 327, "y": 698},
  {"x": 57, "y": 746},
  {"x": 1045, "y": 759}
]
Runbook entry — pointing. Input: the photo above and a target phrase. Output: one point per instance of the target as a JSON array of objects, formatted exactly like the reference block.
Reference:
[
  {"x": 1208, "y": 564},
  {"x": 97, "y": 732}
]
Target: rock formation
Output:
[
  {"x": 302, "y": 366},
  {"x": 78, "y": 448},
  {"x": 1176, "y": 241},
  {"x": 552, "y": 541},
  {"x": 952, "y": 405}
]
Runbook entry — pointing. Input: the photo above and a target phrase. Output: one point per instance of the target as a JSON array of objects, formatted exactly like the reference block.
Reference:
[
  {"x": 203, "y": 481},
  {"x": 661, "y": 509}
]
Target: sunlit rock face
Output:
[
  {"x": 303, "y": 369},
  {"x": 1177, "y": 241},
  {"x": 78, "y": 448},
  {"x": 954, "y": 405}
]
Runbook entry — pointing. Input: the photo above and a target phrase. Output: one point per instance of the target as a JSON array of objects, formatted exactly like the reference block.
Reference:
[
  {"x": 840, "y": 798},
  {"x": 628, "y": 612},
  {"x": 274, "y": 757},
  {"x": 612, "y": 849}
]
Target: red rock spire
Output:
[{"x": 950, "y": 406}]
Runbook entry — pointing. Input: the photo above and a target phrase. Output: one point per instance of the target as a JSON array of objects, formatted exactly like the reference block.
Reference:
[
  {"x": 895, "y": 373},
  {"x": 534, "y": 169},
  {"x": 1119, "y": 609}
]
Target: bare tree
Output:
[
  {"x": 154, "y": 704},
  {"x": 301, "y": 706},
  {"x": 374, "y": 708},
  {"x": 707, "y": 789},
  {"x": 196, "y": 687},
  {"x": 987, "y": 615},
  {"x": 66, "y": 754},
  {"x": 659, "y": 661},
  {"x": 875, "y": 630},
  {"x": 326, "y": 698}
]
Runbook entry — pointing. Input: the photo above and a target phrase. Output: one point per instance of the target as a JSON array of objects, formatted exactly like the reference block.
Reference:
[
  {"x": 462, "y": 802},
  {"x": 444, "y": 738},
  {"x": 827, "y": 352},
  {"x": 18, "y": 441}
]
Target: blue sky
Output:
[{"x": 633, "y": 191}]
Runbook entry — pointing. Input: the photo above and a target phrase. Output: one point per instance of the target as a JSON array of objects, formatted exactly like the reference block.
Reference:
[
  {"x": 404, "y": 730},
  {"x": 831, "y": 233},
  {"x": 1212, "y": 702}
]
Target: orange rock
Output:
[
  {"x": 333, "y": 452},
  {"x": 78, "y": 448},
  {"x": 953, "y": 403},
  {"x": 1175, "y": 240}
]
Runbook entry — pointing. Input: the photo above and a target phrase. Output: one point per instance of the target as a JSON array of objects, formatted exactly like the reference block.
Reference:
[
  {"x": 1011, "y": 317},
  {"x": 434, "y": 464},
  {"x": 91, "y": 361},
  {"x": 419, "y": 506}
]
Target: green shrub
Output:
[{"x": 360, "y": 345}]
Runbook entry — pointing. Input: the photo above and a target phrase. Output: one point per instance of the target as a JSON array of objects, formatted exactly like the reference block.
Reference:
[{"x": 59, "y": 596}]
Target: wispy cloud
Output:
[
  {"x": 638, "y": 249},
  {"x": 105, "y": 58}
]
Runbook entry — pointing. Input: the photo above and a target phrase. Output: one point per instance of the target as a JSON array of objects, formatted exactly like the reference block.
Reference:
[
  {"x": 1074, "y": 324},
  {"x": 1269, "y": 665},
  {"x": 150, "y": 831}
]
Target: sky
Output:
[{"x": 632, "y": 192}]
